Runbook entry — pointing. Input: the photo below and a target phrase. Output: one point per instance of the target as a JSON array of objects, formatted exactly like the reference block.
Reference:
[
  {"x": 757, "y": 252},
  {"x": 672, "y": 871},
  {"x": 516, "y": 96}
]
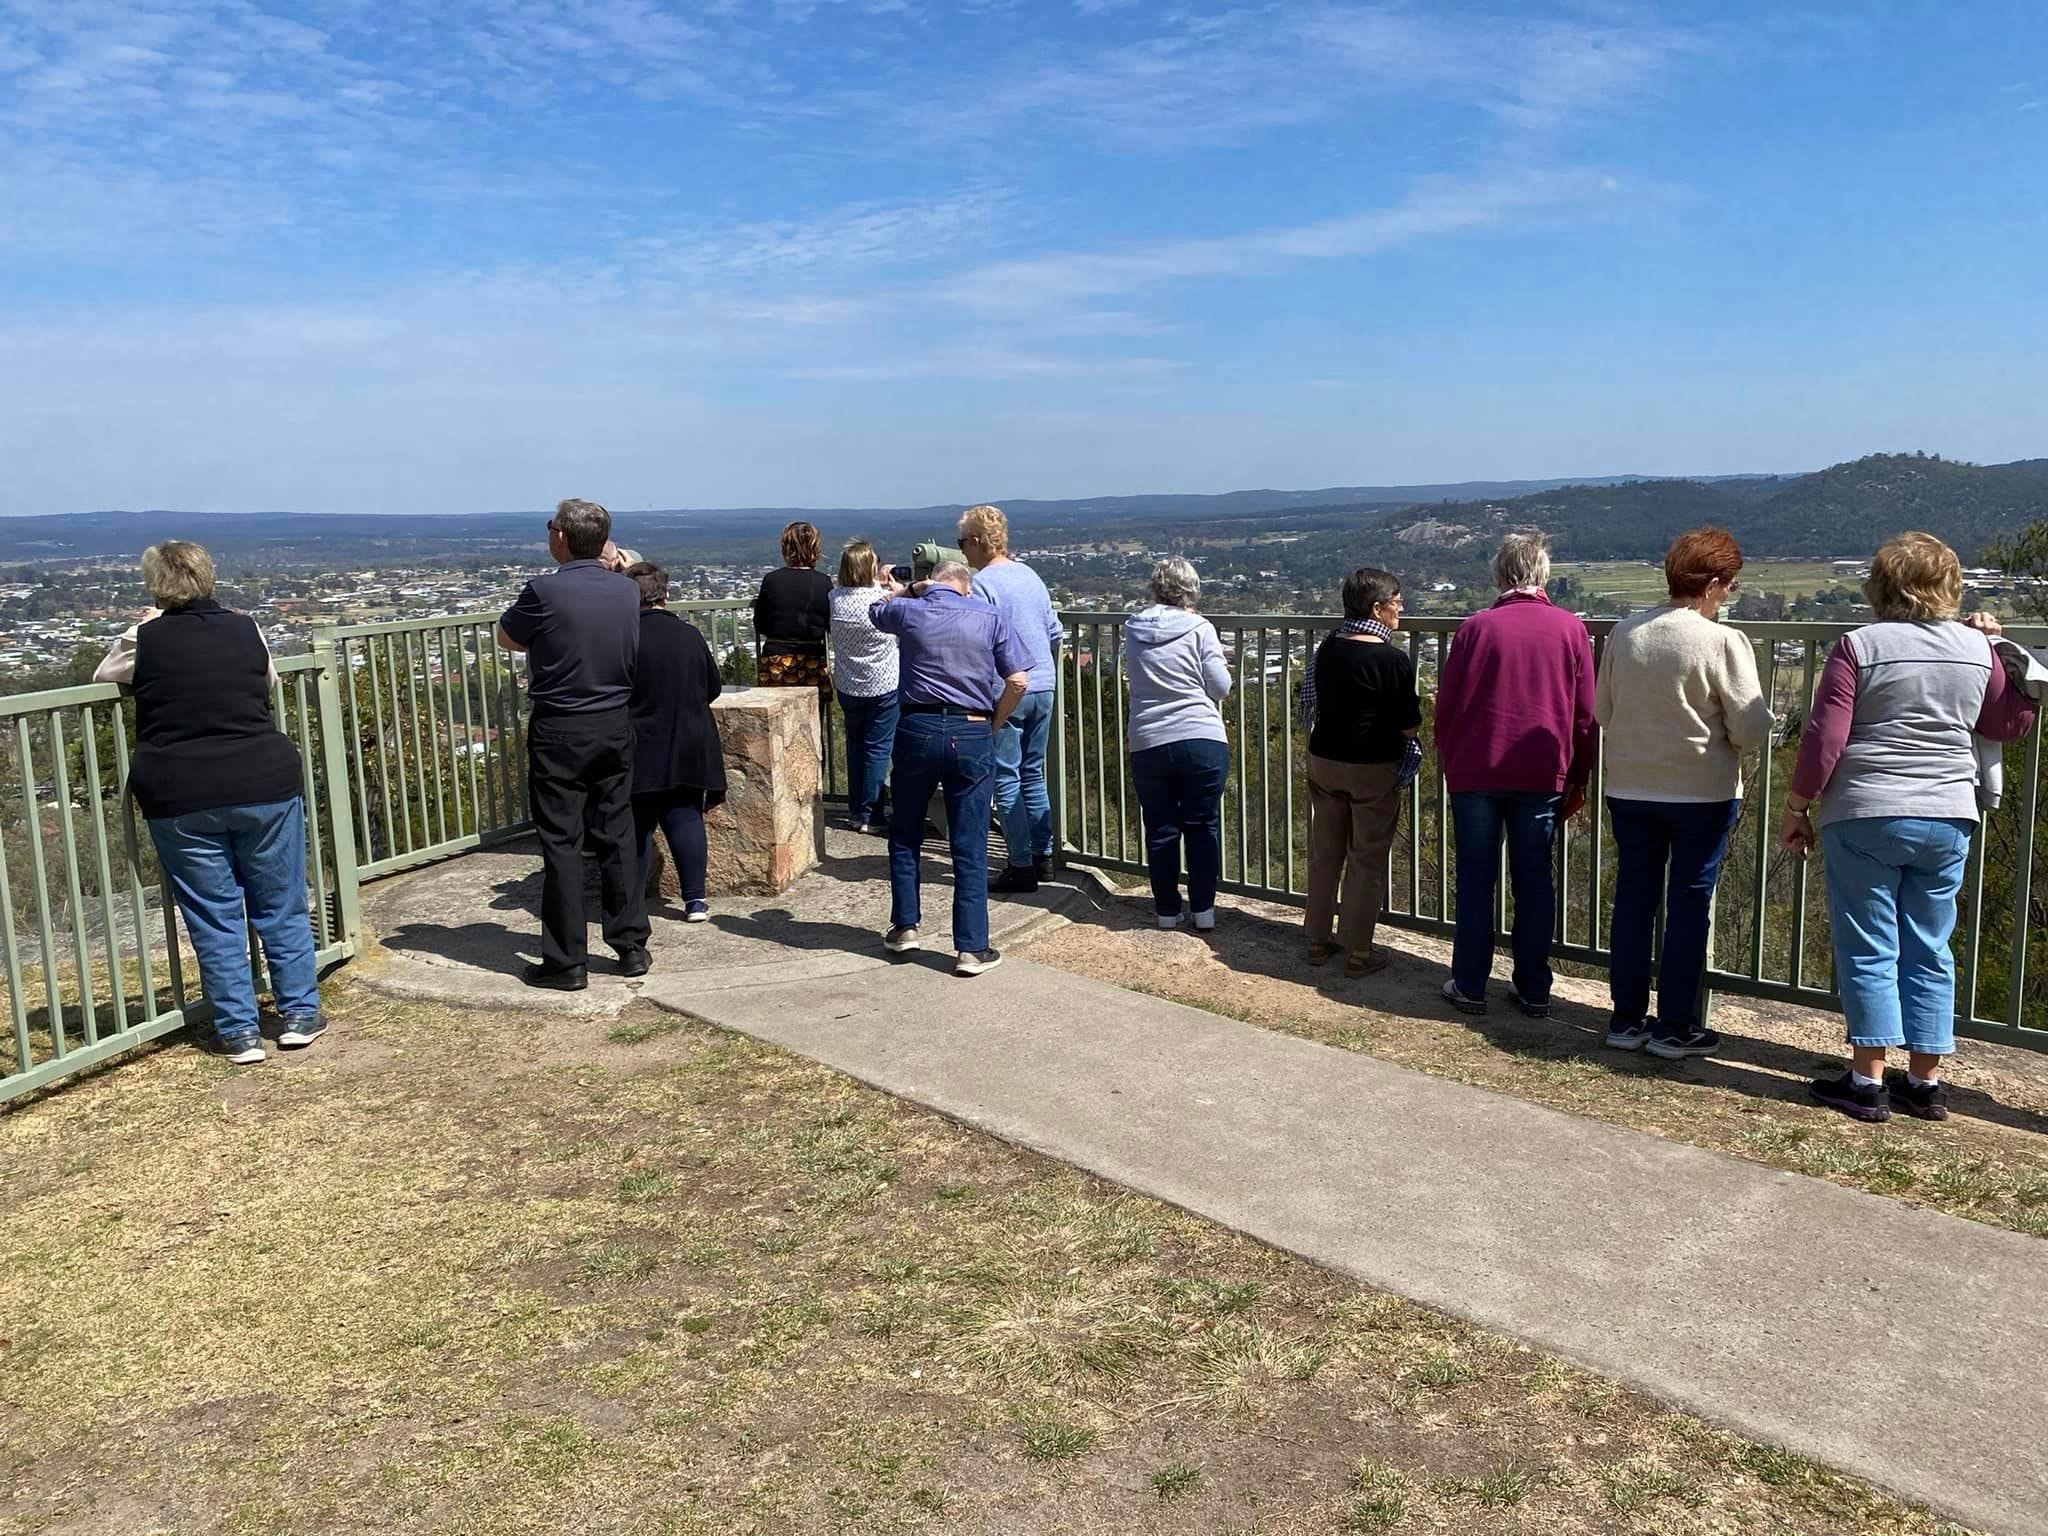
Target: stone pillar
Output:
[{"x": 765, "y": 835}]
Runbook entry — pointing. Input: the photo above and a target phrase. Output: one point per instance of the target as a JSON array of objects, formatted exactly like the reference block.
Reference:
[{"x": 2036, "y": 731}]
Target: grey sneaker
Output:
[
  {"x": 300, "y": 1032},
  {"x": 1624, "y": 1036},
  {"x": 901, "y": 941},
  {"x": 242, "y": 1051},
  {"x": 970, "y": 964},
  {"x": 1459, "y": 1001}
]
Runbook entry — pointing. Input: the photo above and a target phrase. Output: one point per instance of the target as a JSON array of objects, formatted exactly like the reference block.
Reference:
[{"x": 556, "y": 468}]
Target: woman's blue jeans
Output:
[
  {"x": 1180, "y": 791},
  {"x": 1892, "y": 885},
  {"x": 1667, "y": 851},
  {"x": 870, "y": 739},
  {"x": 233, "y": 869},
  {"x": 1528, "y": 820}
]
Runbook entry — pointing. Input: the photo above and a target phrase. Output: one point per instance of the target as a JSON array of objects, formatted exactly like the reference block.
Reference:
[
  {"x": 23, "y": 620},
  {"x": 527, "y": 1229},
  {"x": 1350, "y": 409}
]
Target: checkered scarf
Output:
[{"x": 1371, "y": 627}]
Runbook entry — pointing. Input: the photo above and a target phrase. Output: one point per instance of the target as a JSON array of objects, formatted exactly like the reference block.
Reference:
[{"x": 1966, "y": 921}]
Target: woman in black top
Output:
[
  {"x": 222, "y": 790},
  {"x": 793, "y": 614},
  {"x": 678, "y": 764},
  {"x": 1363, "y": 714}
]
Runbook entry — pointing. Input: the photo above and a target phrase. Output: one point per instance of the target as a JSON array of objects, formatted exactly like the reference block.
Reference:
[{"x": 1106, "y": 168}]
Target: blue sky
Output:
[{"x": 460, "y": 255}]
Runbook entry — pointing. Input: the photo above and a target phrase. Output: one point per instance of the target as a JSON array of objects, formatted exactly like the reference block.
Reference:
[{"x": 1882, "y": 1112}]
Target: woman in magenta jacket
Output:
[{"x": 1515, "y": 733}]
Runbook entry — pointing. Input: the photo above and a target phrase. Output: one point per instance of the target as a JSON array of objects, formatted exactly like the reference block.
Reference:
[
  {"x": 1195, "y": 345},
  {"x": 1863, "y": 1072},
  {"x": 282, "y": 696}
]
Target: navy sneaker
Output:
[
  {"x": 697, "y": 912},
  {"x": 1625, "y": 1036},
  {"x": 1677, "y": 1044},
  {"x": 1460, "y": 1001},
  {"x": 1871, "y": 1104},
  {"x": 299, "y": 1032},
  {"x": 241, "y": 1051}
]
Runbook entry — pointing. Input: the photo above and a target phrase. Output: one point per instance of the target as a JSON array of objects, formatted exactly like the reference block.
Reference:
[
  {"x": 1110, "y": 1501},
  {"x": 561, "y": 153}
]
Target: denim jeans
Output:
[
  {"x": 955, "y": 755},
  {"x": 1021, "y": 798},
  {"x": 678, "y": 814},
  {"x": 1672, "y": 851},
  {"x": 870, "y": 739},
  {"x": 1892, "y": 884},
  {"x": 1530, "y": 821},
  {"x": 236, "y": 868},
  {"x": 1180, "y": 791}
]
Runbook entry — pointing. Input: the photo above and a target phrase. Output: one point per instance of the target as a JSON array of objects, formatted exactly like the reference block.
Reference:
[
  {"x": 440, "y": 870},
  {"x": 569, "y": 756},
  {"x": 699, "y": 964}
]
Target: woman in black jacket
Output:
[
  {"x": 678, "y": 765},
  {"x": 793, "y": 614}
]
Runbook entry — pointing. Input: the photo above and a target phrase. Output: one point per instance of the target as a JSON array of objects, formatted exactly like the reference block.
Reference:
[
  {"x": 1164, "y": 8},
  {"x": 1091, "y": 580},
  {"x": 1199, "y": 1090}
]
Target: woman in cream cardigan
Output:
[{"x": 1679, "y": 700}]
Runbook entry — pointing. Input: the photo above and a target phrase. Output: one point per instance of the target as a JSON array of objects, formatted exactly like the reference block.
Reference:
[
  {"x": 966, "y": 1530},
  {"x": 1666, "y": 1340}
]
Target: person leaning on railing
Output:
[
  {"x": 864, "y": 671},
  {"x": 1889, "y": 756},
  {"x": 1679, "y": 700},
  {"x": 1515, "y": 732},
  {"x": 793, "y": 614},
  {"x": 678, "y": 763},
  {"x": 223, "y": 792},
  {"x": 1179, "y": 752},
  {"x": 1362, "y": 713}
]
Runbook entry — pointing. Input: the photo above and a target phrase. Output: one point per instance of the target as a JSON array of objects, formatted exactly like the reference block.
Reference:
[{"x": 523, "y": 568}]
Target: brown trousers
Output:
[{"x": 1354, "y": 811}]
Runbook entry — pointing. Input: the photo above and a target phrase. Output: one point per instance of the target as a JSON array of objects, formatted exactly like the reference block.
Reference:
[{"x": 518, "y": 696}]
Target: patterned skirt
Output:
[{"x": 780, "y": 669}]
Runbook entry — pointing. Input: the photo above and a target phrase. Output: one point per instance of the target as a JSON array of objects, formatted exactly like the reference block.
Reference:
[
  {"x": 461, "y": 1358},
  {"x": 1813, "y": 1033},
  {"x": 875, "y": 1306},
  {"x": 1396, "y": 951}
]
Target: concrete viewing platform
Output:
[{"x": 1896, "y": 1343}]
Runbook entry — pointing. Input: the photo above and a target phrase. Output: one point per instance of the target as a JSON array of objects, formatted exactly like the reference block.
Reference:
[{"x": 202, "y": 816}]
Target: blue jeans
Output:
[
  {"x": 236, "y": 868},
  {"x": 1530, "y": 821},
  {"x": 1892, "y": 884},
  {"x": 870, "y": 738},
  {"x": 1670, "y": 851},
  {"x": 1180, "y": 790},
  {"x": 1021, "y": 798},
  {"x": 956, "y": 755}
]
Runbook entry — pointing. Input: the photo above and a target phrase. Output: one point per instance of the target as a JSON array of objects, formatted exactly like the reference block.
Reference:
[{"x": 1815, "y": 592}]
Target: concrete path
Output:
[{"x": 1899, "y": 1344}]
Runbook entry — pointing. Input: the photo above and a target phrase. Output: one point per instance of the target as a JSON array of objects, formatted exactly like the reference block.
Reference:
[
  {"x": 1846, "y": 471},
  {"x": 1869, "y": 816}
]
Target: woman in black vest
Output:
[
  {"x": 221, "y": 788},
  {"x": 792, "y": 615},
  {"x": 678, "y": 764}
]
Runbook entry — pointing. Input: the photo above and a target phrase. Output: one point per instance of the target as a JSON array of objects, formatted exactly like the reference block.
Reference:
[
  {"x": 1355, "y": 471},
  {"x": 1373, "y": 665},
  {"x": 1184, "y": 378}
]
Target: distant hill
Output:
[{"x": 1843, "y": 510}]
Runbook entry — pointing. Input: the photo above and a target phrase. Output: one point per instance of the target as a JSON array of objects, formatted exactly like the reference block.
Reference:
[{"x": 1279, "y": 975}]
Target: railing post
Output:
[
  {"x": 334, "y": 759},
  {"x": 1057, "y": 789}
]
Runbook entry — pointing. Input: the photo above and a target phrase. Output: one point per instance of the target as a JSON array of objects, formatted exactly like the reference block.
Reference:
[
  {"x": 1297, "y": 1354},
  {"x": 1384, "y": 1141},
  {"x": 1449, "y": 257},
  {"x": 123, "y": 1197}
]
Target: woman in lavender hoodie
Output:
[{"x": 1179, "y": 753}]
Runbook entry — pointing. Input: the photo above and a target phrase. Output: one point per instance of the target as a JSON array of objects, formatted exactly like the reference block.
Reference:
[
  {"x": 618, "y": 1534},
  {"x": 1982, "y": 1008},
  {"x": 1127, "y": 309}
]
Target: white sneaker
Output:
[{"x": 1204, "y": 921}]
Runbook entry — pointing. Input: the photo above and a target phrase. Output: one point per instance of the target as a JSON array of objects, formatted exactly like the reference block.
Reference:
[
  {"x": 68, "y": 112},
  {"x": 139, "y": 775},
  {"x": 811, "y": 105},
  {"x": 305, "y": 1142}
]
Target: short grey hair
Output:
[
  {"x": 1523, "y": 560},
  {"x": 1175, "y": 583},
  {"x": 947, "y": 572}
]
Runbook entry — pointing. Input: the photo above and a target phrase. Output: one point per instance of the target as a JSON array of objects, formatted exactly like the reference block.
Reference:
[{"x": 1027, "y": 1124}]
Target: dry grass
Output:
[
  {"x": 456, "y": 1273},
  {"x": 1988, "y": 1161}
]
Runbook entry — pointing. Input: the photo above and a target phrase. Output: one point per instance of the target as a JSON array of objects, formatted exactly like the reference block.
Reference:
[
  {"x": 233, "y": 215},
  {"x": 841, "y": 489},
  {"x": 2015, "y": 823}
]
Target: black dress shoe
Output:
[
  {"x": 1042, "y": 866},
  {"x": 556, "y": 978},
  {"x": 635, "y": 962},
  {"x": 1017, "y": 880}
]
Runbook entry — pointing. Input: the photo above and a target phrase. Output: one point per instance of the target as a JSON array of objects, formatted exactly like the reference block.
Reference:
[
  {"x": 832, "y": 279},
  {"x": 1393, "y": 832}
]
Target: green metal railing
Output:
[
  {"x": 95, "y": 961},
  {"x": 1770, "y": 936}
]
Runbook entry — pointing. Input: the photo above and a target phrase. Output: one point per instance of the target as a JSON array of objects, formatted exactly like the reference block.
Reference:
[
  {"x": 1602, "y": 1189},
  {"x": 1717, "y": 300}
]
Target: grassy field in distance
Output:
[{"x": 1640, "y": 584}]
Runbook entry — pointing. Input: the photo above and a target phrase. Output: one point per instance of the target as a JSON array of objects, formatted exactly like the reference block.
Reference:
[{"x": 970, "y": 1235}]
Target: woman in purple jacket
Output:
[{"x": 1515, "y": 732}]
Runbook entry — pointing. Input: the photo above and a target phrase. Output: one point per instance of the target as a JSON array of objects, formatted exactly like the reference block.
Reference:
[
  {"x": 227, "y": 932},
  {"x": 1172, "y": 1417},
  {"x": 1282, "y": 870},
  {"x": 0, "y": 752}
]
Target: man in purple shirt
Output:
[{"x": 962, "y": 673}]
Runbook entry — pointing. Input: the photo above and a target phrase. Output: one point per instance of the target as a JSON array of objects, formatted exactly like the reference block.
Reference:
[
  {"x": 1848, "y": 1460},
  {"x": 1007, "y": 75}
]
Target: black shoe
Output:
[
  {"x": 635, "y": 961},
  {"x": 1872, "y": 1104},
  {"x": 1042, "y": 867},
  {"x": 1927, "y": 1102},
  {"x": 1457, "y": 999},
  {"x": 1527, "y": 1008},
  {"x": 1624, "y": 1035},
  {"x": 556, "y": 978},
  {"x": 1676, "y": 1044},
  {"x": 974, "y": 964},
  {"x": 1017, "y": 880}
]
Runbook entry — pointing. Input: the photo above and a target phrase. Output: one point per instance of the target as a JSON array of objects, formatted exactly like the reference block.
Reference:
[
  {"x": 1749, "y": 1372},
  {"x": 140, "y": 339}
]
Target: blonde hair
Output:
[
  {"x": 177, "y": 572},
  {"x": 1915, "y": 576},
  {"x": 988, "y": 527},
  {"x": 801, "y": 545},
  {"x": 857, "y": 564}
]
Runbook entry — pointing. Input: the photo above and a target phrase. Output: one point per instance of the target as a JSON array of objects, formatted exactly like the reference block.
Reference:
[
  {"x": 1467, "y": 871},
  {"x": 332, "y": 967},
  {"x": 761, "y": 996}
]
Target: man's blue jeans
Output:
[
  {"x": 232, "y": 869},
  {"x": 1892, "y": 884},
  {"x": 1651, "y": 837},
  {"x": 870, "y": 739},
  {"x": 957, "y": 756},
  {"x": 1021, "y": 798},
  {"x": 1180, "y": 790},
  {"x": 1530, "y": 822}
]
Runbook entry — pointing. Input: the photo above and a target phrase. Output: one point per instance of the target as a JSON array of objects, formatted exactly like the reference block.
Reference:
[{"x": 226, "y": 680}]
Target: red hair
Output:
[{"x": 1698, "y": 559}]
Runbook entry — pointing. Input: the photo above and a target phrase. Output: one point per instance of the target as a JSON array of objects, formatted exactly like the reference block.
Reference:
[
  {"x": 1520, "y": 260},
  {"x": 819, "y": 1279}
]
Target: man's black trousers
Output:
[{"x": 580, "y": 769}]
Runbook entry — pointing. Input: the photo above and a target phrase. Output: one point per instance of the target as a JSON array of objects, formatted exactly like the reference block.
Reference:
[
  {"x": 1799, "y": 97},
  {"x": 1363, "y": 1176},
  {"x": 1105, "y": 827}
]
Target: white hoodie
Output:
[{"x": 1178, "y": 677}]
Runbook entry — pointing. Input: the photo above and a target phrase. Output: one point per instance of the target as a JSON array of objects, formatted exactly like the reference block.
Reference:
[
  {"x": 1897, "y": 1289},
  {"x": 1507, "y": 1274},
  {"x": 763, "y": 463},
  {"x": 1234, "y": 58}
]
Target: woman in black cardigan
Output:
[
  {"x": 793, "y": 614},
  {"x": 678, "y": 765}
]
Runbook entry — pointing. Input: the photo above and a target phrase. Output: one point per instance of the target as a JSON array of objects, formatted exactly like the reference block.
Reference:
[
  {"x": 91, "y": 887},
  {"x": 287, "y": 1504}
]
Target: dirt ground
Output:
[
  {"x": 1988, "y": 1161},
  {"x": 474, "y": 1274}
]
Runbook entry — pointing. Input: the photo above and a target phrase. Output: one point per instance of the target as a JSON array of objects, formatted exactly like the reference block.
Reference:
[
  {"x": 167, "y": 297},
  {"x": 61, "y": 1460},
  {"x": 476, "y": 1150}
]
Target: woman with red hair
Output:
[{"x": 1678, "y": 698}]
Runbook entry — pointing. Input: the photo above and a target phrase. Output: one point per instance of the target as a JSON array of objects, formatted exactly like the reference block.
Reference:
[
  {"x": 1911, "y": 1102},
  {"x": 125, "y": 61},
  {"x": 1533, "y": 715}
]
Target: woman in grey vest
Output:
[{"x": 1889, "y": 757}]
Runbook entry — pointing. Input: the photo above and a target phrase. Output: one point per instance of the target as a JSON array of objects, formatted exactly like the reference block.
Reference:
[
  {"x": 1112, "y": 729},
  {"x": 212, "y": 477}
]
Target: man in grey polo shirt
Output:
[{"x": 580, "y": 630}]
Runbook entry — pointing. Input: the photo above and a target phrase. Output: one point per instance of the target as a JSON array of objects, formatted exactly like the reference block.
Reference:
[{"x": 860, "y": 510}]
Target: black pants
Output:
[
  {"x": 679, "y": 816},
  {"x": 581, "y": 766}
]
